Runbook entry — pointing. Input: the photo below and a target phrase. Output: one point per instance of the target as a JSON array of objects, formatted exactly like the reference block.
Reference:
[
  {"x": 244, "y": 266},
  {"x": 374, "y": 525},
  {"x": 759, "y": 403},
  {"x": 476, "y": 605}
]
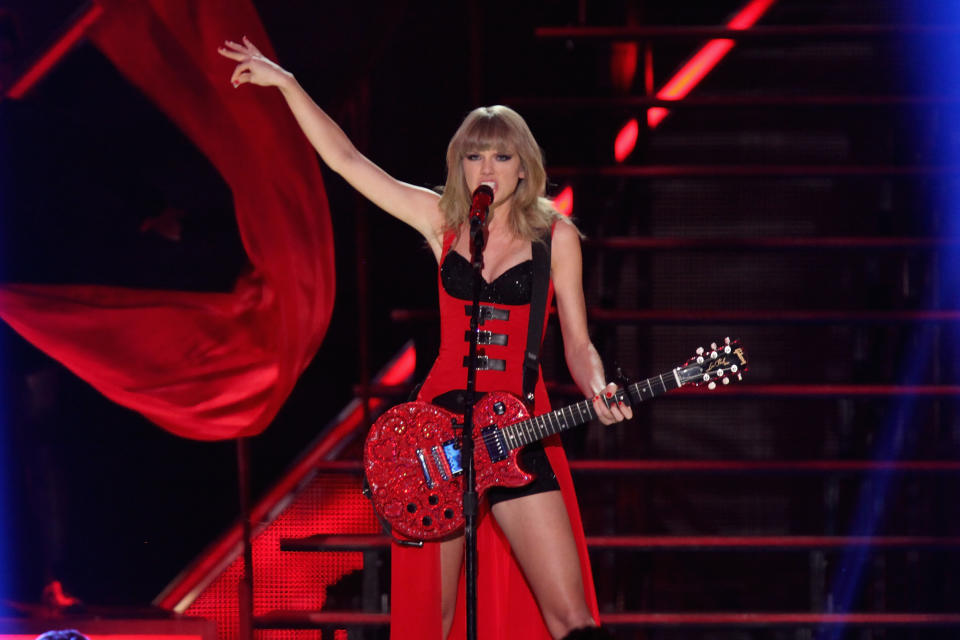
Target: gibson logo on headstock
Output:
[{"x": 724, "y": 361}]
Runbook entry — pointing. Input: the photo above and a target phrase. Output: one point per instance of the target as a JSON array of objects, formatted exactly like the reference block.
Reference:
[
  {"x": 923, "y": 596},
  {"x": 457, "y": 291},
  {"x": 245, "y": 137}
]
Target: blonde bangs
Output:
[{"x": 488, "y": 133}]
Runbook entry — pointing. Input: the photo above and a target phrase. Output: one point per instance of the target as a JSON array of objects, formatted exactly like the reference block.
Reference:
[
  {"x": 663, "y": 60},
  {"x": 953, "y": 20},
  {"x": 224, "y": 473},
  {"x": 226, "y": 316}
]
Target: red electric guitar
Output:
[{"x": 412, "y": 454}]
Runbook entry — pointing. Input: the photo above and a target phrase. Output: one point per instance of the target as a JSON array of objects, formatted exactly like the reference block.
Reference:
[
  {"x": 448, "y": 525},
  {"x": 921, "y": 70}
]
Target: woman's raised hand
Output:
[{"x": 253, "y": 66}]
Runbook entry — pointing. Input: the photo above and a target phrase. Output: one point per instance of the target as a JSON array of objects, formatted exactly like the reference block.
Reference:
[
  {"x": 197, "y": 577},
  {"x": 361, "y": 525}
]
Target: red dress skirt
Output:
[{"x": 505, "y": 605}]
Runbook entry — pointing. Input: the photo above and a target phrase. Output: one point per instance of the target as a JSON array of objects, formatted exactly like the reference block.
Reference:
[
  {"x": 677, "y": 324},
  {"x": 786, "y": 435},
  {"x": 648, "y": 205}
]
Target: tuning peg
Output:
[
  {"x": 726, "y": 340},
  {"x": 699, "y": 351},
  {"x": 726, "y": 381},
  {"x": 734, "y": 368},
  {"x": 739, "y": 376},
  {"x": 712, "y": 386},
  {"x": 713, "y": 345}
]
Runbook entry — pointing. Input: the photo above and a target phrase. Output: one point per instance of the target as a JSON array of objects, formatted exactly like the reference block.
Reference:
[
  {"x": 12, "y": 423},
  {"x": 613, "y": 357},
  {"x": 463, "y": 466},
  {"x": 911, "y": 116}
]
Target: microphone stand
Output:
[{"x": 470, "y": 498}]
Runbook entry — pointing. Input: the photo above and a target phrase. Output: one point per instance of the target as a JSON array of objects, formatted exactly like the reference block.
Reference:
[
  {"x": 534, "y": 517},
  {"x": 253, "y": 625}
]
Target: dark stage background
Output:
[{"x": 97, "y": 186}]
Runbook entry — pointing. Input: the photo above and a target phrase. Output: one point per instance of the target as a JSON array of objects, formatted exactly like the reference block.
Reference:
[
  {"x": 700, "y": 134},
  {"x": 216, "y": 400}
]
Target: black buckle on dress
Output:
[
  {"x": 488, "y": 313},
  {"x": 486, "y": 363},
  {"x": 487, "y": 338}
]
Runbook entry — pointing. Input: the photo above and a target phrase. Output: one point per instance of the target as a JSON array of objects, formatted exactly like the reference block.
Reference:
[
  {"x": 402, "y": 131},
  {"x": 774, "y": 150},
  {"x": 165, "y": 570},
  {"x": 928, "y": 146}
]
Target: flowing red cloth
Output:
[
  {"x": 506, "y": 608},
  {"x": 203, "y": 365}
]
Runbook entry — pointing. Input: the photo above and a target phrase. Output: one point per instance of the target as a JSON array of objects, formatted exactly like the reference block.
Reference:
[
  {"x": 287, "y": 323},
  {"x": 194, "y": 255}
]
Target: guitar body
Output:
[
  {"x": 412, "y": 453},
  {"x": 411, "y": 460}
]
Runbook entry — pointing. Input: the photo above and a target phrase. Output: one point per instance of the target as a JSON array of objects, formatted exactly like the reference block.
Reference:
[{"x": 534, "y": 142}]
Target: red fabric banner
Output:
[{"x": 206, "y": 366}]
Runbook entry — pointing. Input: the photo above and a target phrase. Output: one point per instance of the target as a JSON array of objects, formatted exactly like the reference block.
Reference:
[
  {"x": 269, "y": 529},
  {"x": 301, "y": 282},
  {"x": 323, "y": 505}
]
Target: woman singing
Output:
[{"x": 534, "y": 577}]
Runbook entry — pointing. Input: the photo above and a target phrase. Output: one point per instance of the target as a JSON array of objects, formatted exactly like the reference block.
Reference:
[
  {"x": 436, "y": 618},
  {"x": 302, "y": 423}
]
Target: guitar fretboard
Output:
[{"x": 520, "y": 434}]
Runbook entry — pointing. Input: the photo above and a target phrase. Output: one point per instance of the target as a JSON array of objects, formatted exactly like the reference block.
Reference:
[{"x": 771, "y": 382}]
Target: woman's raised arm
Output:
[{"x": 414, "y": 205}]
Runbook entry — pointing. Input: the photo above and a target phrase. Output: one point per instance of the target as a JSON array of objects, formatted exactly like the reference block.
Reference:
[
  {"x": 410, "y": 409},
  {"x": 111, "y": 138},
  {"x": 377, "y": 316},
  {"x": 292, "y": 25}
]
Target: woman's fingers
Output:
[
  {"x": 241, "y": 74},
  {"x": 233, "y": 55},
  {"x": 609, "y": 408}
]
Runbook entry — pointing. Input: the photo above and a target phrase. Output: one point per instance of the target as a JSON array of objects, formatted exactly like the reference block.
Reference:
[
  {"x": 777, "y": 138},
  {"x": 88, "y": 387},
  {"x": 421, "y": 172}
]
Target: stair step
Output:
[
  {"x": 319, "y": 619},
  {"x": 818, "y": 243},
  {"x": 751, "y": 170},
  {"x": 339, "y": 619},
  {"x": 780, "y": 618},
  {"x": 740, "y": 391},
  {"x": 763, "y": 466},
  {"x": 748, "y": 100},
  {"x": 340, "y": 543},
  {"x": 773, "y": 32},
  {"x": 718, "y": 466},
  {"x": 741, "y": 316}
]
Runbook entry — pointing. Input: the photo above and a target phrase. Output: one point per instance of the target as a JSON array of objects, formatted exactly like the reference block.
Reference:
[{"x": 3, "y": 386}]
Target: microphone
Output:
[{"x": 480, "y": 203}]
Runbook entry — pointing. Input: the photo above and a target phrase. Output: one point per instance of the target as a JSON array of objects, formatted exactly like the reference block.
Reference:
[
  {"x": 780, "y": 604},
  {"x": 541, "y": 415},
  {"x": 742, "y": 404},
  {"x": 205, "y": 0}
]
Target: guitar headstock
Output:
[{"x": 724, "y": 362}]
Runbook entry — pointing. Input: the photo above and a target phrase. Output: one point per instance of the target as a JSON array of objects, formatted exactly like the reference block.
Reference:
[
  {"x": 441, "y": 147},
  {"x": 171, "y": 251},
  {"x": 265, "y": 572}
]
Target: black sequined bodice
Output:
[{"x": 513, "y": 286}]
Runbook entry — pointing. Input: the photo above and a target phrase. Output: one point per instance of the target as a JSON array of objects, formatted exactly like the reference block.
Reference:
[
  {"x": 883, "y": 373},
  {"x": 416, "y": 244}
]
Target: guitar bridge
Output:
[{"x": 496, "y": 446}]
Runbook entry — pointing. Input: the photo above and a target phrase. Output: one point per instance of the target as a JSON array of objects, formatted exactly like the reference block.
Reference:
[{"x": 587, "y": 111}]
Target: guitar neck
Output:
[{"x": 520, "y": 434}]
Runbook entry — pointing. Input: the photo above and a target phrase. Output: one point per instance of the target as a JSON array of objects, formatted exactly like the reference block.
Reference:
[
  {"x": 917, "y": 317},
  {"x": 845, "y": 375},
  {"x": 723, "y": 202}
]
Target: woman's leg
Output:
[
  {"x": 451, "y": 557},
  {"x": 540, "y": 535}
]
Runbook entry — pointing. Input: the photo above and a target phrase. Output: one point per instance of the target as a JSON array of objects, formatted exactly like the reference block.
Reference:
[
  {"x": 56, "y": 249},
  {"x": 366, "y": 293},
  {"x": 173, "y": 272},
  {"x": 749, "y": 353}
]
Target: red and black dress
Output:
[{"x": 506, "y": 606}]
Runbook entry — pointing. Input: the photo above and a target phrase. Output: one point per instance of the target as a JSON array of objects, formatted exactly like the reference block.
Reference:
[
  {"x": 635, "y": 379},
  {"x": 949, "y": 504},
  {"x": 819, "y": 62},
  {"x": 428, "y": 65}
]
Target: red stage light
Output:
[
  {"x": 623, "y": 65},
  {"x": 626, "y": 140},
  {"x": 702, "y": 62},
  {"x": 564, "y": 201},
  {"x": 59, "y": 49}
]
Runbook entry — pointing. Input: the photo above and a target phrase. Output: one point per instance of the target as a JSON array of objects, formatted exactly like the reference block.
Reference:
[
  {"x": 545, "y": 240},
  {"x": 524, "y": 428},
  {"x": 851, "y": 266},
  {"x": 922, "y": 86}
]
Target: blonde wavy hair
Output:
[{"x": 502, "y": 129}]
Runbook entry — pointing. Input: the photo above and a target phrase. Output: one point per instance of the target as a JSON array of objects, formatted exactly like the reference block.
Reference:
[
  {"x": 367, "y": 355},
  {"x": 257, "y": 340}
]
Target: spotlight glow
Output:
[
  {"x": 564, "y": 201},
  {"x": 53, "y": 55},
  {"x": 704, "y": 60},
  {"x": 933, "y": 67},
  {"x": 626, "y": 140}
]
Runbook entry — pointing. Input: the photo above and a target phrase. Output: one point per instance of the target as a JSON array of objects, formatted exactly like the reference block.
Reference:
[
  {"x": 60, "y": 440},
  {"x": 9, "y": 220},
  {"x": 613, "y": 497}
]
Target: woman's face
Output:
[{"x": 498, "y": 168}]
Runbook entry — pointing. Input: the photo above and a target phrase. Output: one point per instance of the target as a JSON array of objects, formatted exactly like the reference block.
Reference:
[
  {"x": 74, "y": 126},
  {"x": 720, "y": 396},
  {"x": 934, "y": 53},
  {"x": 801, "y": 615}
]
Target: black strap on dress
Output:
[{"x": 538, "y": 306}]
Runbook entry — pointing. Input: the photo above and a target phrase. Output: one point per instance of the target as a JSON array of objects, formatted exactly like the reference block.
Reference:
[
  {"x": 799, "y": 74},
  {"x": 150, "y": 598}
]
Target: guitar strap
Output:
[{"x": 538, "y": 306}]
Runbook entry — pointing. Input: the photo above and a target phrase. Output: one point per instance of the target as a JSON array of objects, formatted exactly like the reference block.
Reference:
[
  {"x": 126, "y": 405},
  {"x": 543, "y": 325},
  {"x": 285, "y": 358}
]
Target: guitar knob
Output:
[{"x": 712, "y": 385}]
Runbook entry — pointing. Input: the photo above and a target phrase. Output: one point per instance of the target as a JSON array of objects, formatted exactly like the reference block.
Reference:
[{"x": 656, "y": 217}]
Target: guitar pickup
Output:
[
  {"x": 425, "y": 468},
  {"x": 451, "y": 453},
  {"x": 438, "y": 459}
]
